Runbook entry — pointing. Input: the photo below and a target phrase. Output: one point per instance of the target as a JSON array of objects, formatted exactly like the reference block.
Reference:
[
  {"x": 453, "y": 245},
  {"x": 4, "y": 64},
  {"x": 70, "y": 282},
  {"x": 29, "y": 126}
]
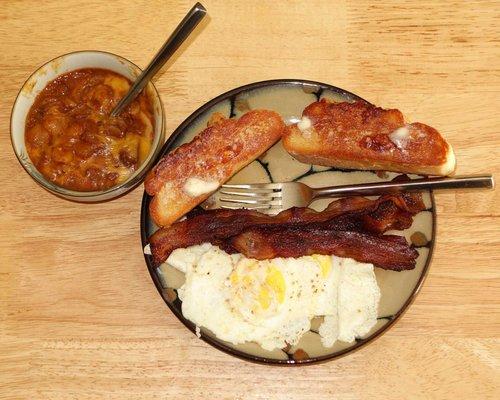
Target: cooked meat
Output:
[
  {"x": 349, "y": 214},
  {"x": 385, "y": 251}
]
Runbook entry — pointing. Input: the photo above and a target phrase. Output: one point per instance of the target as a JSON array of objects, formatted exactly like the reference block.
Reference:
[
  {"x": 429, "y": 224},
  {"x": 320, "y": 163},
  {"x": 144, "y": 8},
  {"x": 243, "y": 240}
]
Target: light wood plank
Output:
[{"x": 79, "y": 315}]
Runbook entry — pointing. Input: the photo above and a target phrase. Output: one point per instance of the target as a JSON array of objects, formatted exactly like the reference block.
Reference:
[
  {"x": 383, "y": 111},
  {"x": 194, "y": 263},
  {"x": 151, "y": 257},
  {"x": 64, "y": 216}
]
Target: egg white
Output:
[{"x": 272, "y": 302}]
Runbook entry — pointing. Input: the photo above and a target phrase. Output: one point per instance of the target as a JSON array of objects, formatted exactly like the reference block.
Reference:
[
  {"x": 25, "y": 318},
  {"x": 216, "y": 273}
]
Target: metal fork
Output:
[{"x": 271, "y": 198}]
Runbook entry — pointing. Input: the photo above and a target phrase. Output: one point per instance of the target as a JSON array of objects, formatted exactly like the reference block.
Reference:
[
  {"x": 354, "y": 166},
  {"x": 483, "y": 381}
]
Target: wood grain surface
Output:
[{"x": 79, "y": 315}]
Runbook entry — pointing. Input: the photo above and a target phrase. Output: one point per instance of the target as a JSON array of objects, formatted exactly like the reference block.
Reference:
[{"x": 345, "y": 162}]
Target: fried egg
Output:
[{"x": 272, "y": 302}]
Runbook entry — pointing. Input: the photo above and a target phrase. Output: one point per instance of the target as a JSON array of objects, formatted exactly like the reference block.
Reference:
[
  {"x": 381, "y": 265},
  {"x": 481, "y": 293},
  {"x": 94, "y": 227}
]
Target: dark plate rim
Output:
[{"x": 217, "y": 344}]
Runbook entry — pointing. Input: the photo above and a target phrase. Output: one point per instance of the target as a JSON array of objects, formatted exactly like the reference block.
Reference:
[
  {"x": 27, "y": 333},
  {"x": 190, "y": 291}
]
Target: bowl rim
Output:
[
  {"x": 115, "y": 191},
  {"x": 216, "y": 342}
]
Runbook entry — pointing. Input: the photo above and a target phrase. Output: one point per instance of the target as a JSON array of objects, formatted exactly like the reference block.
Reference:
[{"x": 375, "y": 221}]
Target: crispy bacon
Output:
[
  {"x": 355, "y": 214},
  {"x": 385, "y": 251}
]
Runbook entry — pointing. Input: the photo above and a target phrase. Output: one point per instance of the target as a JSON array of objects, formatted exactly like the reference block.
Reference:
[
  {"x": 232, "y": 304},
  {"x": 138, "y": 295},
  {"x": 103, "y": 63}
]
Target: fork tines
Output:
[{"x": 251, "y": 196}]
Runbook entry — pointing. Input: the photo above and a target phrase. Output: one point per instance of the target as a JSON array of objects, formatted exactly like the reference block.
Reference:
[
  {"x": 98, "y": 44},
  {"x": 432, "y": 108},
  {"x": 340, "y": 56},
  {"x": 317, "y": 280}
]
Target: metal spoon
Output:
[{"x": 183, "y": 30}]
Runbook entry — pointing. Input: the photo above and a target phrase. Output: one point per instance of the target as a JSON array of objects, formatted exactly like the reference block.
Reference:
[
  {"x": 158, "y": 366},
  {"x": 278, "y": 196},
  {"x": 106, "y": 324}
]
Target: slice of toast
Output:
[
  {"x": 361, "y": 136},
  {"x": 188, "y": 175}
]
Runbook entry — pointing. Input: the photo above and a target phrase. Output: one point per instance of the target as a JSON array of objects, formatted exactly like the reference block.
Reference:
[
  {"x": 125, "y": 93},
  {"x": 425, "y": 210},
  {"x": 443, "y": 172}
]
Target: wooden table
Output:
[{"x": 79, "y": 315}]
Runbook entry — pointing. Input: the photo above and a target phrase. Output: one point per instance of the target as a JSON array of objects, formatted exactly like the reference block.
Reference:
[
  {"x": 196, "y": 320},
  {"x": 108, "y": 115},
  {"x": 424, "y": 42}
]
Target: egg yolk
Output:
[
  {"x": 234, "y": 278},
  {"x": 324, "y": 262},
  {"x": 258, "y": 286},
  {"x": 264, "y": 298},
  {"x": 276, "y": 282}
]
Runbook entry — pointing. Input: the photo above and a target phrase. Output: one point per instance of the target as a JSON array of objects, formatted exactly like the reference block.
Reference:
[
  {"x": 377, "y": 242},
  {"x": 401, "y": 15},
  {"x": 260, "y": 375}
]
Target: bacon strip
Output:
[
  {"x": 385, "y": 251},
  {"x": 355, "y": 214}
]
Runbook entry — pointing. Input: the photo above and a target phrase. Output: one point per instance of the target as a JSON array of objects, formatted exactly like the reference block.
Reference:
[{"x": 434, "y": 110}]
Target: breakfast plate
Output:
[{"x": 289, "y": 98}]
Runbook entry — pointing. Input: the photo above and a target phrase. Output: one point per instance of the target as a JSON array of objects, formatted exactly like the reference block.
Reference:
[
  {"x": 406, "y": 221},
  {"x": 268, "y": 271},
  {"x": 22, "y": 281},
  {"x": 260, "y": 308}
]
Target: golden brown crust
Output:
[
  {"x": 214, "y": 155},
  {"x": 361, "y": 136}
]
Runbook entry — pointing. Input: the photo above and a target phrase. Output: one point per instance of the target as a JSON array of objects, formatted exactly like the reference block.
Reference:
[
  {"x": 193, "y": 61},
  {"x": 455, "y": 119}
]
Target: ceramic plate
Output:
[{"x": 289, "y": 98}]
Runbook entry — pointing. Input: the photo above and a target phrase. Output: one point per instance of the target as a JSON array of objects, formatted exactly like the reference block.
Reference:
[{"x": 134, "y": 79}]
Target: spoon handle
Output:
[{"x": 183, "y": 30}]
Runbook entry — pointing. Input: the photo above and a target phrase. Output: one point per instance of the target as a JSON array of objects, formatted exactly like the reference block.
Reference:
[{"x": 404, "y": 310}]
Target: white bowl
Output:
[{"x": 52, "y": 69}]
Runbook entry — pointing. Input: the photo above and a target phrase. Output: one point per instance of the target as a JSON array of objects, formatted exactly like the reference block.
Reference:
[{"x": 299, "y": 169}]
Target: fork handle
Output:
[{"x": 373, "y": 189}]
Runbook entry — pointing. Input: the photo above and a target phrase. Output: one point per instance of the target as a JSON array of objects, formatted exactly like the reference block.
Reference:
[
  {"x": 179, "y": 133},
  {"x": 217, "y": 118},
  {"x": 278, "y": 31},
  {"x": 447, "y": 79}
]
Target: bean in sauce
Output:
[{"x": 72, "y": 140}]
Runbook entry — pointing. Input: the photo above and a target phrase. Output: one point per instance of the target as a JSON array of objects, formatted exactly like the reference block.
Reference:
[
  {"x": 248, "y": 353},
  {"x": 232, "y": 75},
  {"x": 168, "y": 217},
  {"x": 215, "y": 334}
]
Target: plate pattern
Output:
[{"x": 289, "y": 98}]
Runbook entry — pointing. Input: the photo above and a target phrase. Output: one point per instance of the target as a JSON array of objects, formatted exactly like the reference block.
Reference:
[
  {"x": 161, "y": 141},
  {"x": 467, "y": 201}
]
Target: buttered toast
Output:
[
  {"x": 188, "y": 175},
  {"x": 362, "y": 136}
]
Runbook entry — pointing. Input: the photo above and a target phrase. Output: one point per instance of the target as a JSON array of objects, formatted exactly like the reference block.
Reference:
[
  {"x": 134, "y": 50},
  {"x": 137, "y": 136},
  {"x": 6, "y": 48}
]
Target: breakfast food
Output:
[
  {"x": 349, "y": 227},
  {"x": 251, "y": 277},
  {"x": 272, "y": 302},
  {"x": 189, "y": 174},
  {"x": 72, "y": 140},
  {"x": 362, "y": 136},
  {"x": 390, "y": 252}
]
